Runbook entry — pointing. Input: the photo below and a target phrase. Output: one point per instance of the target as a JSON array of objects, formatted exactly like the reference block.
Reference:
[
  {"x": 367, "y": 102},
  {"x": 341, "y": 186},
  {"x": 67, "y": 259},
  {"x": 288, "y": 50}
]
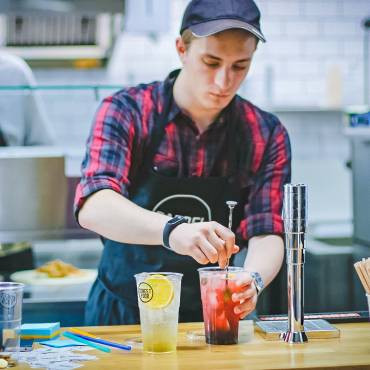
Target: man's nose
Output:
[{"x": 223, "y": 79}]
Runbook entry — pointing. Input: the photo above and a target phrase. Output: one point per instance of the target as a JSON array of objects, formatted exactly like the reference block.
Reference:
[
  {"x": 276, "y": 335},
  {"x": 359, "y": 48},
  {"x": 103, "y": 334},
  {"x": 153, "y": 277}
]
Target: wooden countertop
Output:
[{"x": 350, "y": 351}]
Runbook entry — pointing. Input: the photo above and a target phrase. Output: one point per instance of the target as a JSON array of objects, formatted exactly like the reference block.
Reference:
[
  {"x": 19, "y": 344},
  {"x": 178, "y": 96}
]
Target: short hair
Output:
[{"x": 187, "y": 37}]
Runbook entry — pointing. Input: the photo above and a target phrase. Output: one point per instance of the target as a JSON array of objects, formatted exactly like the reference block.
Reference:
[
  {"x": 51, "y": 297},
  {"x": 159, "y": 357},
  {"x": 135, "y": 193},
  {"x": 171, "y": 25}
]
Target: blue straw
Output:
[
  {"x": 87, "y": 342},
  {"x": 105, "y": 342}
]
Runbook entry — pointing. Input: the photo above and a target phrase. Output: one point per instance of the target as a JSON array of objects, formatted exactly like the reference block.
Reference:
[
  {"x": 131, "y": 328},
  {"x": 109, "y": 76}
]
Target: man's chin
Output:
[{"x": 217, "y": 104}]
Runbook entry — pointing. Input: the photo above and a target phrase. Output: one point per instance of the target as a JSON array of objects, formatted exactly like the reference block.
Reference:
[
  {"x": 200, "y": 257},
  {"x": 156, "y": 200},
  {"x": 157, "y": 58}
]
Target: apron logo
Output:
[
  {"x": 145, "y": 292},
  {"x": 8, "y": 300},
  {"x": 192, "y": 207}
]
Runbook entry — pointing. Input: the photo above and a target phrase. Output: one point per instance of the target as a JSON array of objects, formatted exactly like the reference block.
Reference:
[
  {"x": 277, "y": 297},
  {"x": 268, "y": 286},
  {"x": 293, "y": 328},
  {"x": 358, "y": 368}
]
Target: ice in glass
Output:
[
  {"x": 221, "y": 324},
  {"x": 159, "y": 301}
]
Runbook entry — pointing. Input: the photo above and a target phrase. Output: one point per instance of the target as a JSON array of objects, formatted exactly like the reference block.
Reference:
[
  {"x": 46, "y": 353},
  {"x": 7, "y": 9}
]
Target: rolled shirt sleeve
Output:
[
  {"x": 263, "y": 209},
  {"x": 107, "y": 161}
]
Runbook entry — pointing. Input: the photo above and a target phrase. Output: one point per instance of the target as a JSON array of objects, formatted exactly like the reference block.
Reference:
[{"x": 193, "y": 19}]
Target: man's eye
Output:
[
  {"x": 240, "y": 68},
  {"x": 211, "y": 64}
]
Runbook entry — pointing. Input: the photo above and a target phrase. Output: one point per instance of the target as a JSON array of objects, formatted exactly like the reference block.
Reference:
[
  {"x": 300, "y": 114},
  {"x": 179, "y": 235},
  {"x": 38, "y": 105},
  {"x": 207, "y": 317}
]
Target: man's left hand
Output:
[{"x": 246, "y": 296}]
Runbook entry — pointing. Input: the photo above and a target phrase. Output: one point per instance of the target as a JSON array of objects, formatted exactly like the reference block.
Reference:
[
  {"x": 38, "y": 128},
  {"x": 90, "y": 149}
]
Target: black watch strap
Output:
[{"x": 170, "y": 225}]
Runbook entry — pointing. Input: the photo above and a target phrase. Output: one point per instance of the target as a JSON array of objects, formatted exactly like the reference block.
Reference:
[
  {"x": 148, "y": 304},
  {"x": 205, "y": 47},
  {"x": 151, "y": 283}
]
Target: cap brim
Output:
[{"x": 210, "y": 28}]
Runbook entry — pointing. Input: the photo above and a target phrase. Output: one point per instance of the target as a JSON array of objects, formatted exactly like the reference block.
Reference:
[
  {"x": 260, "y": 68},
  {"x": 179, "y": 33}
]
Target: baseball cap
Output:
[{"x": 207, "y": 17}]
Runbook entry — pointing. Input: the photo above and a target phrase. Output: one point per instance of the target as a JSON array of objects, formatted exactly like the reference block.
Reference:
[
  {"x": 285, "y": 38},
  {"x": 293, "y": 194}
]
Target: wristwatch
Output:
[
  {"x": 258, "y": 282},
  {"x": 170, "y": 225}
]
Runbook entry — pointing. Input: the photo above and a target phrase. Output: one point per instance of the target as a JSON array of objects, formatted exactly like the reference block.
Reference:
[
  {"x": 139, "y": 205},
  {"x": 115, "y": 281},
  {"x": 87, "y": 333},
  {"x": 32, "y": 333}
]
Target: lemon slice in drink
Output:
[{"x": 162, "y": 291}]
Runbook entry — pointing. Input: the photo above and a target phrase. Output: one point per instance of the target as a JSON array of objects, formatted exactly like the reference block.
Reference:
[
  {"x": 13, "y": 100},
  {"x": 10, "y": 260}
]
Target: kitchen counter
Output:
[{"x": 350, "y": 351}]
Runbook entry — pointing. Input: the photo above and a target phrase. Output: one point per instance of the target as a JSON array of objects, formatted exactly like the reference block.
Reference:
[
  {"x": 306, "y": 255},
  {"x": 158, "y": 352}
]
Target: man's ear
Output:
[{"x": 181, "y": 49}]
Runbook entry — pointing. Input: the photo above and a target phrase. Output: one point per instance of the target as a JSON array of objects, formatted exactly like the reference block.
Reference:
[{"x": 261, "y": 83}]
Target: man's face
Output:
[{"x": 215, "y": 66}]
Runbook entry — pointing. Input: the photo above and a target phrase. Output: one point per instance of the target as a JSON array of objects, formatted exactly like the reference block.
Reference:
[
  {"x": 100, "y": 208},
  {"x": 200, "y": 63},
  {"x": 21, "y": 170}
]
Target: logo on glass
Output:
[
  {"x": 145, "y": 292},
  {"x": 8, "y": 300}
]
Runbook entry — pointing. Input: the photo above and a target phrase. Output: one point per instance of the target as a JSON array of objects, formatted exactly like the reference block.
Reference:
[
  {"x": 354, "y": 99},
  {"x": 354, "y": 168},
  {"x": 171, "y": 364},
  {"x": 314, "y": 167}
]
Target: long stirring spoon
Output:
[{"x": 231, "y": 204}]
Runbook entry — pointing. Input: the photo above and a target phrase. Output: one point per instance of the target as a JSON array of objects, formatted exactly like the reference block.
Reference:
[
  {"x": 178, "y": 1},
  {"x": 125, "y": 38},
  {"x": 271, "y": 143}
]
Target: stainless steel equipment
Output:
[
  {"x": 315, "y": 329},
  {"x": 360, "y": 152},
  {"x": 69, "y": 30},
  {"x": 60, "y": 6},
  {"x": 36, "y": 196},
  {"x": 295, "y": 217},
  {"x": 295, "y": 330}
]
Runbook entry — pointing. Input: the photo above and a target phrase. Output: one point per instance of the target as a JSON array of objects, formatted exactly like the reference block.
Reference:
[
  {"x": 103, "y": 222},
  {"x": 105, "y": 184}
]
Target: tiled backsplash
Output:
[
  {"x": 313, "y": 55},
  {"x": 320, "y": 149},
  {"x": 313, "y": 59}
]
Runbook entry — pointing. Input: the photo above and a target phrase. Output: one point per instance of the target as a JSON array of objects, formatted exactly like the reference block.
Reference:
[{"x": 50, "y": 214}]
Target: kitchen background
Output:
[{"x": 311, "y": 73}]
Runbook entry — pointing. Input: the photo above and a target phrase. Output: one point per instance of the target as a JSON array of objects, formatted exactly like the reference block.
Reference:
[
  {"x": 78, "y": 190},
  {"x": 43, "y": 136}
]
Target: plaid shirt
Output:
[{"x": 119, "y": 137}]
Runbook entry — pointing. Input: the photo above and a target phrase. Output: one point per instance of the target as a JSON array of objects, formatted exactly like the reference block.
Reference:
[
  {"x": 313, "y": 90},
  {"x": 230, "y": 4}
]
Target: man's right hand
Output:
[{"x": 206, "y": 242}]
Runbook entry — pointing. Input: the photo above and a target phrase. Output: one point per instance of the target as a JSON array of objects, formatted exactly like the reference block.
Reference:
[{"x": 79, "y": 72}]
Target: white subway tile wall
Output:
[
  {"x": 309, "y": 70},
  {"x": 307, "y": 40}
]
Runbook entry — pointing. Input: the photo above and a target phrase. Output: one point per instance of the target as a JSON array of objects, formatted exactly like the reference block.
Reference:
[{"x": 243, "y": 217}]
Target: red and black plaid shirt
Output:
[{"x": 119, "y": 138}]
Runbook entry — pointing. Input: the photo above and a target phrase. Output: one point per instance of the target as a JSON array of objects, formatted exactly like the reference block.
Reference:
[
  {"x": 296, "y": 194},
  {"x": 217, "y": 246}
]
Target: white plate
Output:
[{"x": 35, "y": 278}]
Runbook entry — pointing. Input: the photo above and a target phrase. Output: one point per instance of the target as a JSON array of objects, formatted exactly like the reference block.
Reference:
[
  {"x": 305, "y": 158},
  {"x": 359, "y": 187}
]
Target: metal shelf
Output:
[{"x": 357, "y": 132}]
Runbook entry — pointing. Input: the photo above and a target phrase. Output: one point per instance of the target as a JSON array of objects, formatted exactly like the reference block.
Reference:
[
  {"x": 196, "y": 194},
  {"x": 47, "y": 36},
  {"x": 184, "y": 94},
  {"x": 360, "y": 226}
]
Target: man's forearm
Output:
[
  {"x": 115, "y": 217},
  {"x": 265, "y": 255}
]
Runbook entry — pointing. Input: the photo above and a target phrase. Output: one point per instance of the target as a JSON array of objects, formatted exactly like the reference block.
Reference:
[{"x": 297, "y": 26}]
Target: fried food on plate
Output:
[{"x": 58, "y": 269}]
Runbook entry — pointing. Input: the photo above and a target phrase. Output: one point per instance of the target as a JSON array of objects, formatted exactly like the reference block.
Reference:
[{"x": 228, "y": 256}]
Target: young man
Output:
[{"x": 184, "y": 147}]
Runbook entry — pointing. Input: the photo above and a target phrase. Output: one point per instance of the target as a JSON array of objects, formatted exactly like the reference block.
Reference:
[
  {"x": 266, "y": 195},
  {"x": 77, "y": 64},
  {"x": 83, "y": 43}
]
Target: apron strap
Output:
[
  {"x": 112, "y": 294},
  {"x": 239, "y": 153},
  {"x": 232, "y": 148},
  {"x": 161, "y": 122}
]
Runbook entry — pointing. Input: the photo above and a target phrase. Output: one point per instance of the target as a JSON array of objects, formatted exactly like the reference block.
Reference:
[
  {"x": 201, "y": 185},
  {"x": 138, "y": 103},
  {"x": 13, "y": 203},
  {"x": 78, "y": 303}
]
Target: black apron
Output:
[{"x": 113, "y": 297}]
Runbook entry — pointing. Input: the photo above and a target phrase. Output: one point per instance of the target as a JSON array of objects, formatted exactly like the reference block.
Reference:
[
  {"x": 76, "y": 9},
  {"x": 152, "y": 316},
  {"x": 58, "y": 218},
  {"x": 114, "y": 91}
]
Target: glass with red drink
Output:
[{"x": 217, "y": 285}]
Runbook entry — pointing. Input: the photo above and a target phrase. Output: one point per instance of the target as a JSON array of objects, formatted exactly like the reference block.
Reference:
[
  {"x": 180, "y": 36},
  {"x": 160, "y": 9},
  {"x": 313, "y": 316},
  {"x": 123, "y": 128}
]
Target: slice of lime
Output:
[{"x": 162, "y": 291}]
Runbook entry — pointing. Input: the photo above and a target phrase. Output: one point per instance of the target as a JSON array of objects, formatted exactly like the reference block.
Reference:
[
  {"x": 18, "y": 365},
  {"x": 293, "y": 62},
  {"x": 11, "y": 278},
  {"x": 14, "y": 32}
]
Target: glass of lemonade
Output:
[
  {"x": 159, "y": 301},
  {"x": 217, "y": 285}
]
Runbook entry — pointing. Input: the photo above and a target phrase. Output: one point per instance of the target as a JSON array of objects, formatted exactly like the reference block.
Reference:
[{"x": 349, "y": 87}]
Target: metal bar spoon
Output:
[{"x": 231, "y": 204}]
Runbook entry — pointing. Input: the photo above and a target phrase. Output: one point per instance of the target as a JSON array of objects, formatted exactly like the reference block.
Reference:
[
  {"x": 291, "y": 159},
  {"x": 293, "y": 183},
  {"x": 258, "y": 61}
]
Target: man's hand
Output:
[
  {"x": 206, "y": 242},
  {"x": 246, "y": 296}
]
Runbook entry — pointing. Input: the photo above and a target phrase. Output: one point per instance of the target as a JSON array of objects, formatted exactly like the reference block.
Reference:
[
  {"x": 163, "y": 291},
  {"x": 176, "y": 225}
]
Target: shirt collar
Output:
[
  {"x": 166, "y": 84},
  {"x": 174, "y": 111}
]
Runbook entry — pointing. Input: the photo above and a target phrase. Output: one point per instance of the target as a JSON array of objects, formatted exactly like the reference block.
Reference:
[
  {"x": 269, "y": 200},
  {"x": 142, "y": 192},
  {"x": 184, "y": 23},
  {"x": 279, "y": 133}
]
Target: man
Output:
[
  {"x": 184, "y": 147},
  {"x": 22, "y": 117}
]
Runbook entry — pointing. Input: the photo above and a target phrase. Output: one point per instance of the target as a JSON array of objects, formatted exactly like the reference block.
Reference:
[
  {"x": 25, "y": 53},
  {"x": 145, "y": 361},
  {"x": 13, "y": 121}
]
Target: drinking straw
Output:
[
  {"x": 362, "y": 269},
  {"x": 81, "y": 332},
  {"x": 87, "y": 342},
  {"x": 106, "y": 342}
]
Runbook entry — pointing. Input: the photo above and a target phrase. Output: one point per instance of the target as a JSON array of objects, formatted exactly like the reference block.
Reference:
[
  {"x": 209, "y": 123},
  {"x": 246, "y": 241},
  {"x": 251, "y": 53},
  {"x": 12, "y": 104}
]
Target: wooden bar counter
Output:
[{"x": 350, "y": 351}]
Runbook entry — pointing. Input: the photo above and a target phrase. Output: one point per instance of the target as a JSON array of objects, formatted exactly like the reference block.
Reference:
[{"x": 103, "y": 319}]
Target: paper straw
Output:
[
  {"x": 364, "y": 274},
  {"x": 81, "y": 332},
  {"x": 362, "y": 277},
  {"x": 87, "y": 342},
  {"x": 106, "y": 342}
]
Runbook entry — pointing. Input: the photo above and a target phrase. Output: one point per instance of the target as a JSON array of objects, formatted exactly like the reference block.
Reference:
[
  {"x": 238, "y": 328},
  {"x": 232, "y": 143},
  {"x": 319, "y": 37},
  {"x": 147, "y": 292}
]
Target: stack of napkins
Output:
[{"x": 39, "y": 332}]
